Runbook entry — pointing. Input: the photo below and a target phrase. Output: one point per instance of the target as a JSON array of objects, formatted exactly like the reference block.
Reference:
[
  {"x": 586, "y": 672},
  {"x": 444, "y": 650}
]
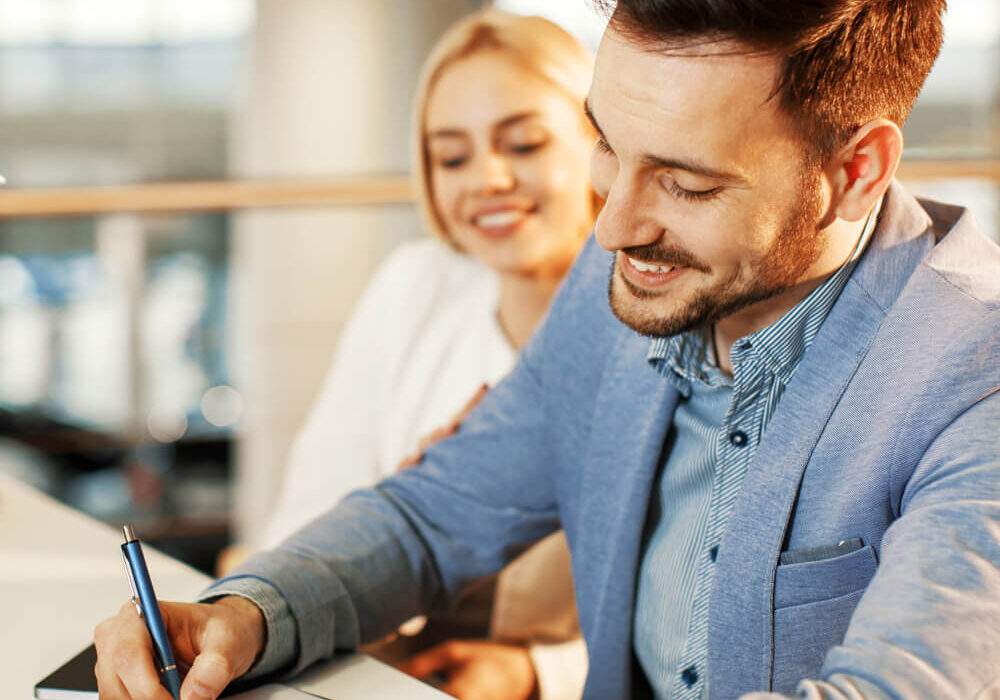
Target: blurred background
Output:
[{"x": 161, "y": 343}]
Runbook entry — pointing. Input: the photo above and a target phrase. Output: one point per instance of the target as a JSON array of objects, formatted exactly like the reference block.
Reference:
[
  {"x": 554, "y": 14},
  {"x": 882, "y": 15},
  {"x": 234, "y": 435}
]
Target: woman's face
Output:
[{"x": 508, "y": 156}]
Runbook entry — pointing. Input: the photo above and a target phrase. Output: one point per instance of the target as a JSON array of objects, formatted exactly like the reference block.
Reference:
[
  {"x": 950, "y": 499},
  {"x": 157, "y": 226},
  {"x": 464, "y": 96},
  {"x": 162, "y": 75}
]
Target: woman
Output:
[{"x": 502, "y": 149}]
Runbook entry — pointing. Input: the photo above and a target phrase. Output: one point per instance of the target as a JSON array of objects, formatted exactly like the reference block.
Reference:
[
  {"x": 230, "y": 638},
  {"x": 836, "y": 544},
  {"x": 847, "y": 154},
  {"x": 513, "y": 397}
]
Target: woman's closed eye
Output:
[
  {"x": 526, "y": 147},
  {"x": 452, "y": 163}
]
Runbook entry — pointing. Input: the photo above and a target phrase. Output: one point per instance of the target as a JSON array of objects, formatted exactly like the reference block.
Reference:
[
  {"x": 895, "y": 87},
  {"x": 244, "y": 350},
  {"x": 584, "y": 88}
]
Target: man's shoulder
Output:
[
  {"x": 944, "y": 321},
  {"x": 967, "y": 260},
  {"x": 958, "y": 279},
  {"x": 929, "y": 253}
]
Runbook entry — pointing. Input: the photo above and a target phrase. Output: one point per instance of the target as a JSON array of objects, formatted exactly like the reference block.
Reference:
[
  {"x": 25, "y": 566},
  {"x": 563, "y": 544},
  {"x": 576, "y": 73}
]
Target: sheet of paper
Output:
[
  {"x": 360, "y": 677},
  {"x": 273, "y": 692}
]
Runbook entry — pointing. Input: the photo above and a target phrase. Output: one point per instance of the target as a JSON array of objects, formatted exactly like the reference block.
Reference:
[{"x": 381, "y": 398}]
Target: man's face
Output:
[{"x": 710, "y": 204}]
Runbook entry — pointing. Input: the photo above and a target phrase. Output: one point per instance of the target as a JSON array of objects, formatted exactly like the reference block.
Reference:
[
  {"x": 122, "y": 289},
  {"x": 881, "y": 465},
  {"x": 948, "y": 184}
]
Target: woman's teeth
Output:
[
  {"x": 499, "y": 219},
  {"x": 645, "y": 267}
]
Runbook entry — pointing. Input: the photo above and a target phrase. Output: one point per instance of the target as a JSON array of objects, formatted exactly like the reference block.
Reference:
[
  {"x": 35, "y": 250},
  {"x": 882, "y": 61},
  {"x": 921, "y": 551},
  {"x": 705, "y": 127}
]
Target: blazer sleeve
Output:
[{"x": 410, "y": 544}]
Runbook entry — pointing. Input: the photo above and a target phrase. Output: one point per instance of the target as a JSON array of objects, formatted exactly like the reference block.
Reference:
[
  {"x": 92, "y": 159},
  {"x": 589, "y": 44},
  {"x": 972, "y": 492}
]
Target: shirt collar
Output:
[{"x": 687, "y": 357}]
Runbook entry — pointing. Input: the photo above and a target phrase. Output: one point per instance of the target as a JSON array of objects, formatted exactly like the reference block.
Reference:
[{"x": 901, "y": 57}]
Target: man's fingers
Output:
[
  {"x": 438, "y": 658},
  {"x": 125, "y": 665},
  {"x": 209, "y": 675},
  {"x": 134, "y": 667},
  {"x": 109, "y": 686}
]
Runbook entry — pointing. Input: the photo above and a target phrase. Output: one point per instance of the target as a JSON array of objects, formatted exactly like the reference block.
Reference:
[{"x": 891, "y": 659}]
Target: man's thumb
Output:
[{"x": 209, "y": 675}]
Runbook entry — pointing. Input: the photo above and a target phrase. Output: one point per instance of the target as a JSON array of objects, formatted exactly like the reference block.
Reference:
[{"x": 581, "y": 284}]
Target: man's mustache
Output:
[{"x": 670, "y": 256}]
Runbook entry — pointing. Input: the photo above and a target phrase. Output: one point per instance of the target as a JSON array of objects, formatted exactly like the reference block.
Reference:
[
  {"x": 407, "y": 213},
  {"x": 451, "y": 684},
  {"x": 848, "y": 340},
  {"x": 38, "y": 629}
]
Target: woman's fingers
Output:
[
  {"x": 440, "y": 658},
  {"x": 445, "y": 431}
]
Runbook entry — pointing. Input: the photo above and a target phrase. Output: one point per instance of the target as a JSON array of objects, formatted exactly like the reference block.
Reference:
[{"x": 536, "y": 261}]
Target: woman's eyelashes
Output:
[
  {"x": 527, "y": 147},
  {"x": 452, "y": 162}
]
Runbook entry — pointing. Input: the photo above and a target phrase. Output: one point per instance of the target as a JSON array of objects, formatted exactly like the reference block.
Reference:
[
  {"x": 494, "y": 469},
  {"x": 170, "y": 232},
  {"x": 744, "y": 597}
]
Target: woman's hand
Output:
[
  {"x": 478, "y": 669},
  {"x": 445, "y": 431},
  {"x": 217, "y": 642}
]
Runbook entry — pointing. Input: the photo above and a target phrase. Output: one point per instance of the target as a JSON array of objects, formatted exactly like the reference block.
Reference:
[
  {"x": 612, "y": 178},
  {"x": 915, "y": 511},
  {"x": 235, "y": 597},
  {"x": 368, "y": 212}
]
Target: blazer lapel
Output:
[
  {"x": 631, "y": 418},
  {"x": 741, "y": 619}
]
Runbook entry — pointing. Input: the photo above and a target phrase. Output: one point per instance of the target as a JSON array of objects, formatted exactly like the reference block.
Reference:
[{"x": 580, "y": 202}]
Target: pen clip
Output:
[{"x": 131, "y": 584}]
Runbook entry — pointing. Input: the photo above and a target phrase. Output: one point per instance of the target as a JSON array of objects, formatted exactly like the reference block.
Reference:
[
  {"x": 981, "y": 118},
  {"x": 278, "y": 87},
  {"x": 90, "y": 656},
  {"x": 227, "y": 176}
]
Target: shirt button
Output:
[
  {"x": 689, "y": 676},
  {"x": 714, "y": 553},
  {"x": 738, "y": 438}
]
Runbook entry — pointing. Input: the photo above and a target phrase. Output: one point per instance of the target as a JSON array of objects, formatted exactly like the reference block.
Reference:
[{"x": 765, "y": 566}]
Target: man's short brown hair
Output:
[{"x": 846, "y": 62}]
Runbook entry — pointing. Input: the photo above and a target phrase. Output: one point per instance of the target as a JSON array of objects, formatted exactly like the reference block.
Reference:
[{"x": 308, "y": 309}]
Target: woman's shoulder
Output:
[
  {"x": 428, "y": 269},
  {"x": 428, "y": 254}
]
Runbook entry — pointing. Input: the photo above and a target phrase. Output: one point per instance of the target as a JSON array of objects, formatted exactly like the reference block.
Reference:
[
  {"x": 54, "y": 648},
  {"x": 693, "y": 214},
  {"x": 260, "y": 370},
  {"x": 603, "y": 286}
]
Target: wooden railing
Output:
[
  {"x": 234, "y": 195},
  {"x": 202, "y": 196}
]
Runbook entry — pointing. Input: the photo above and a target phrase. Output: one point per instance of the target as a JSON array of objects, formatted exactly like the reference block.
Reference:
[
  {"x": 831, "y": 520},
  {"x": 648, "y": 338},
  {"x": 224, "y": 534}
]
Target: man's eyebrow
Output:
[
  {"x": 502, "y": 124},
  {"x": 690, "y": 166}
]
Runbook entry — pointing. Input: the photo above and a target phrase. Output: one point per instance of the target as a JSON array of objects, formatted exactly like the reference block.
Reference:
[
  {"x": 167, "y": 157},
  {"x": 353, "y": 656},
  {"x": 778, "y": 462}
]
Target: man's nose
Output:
[
  {"x": 624, "y": 220},
  {"x": 492, "y": 174}
]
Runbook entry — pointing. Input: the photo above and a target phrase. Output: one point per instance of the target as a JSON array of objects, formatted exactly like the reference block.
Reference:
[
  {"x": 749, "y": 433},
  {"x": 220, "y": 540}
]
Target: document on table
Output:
[
  {"x": 272, "y": 692},
  {"x": 360, "y": 677}
]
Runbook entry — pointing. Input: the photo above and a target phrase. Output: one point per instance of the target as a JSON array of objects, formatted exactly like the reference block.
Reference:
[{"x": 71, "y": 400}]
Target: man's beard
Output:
[{"x": 797, "y": 247}]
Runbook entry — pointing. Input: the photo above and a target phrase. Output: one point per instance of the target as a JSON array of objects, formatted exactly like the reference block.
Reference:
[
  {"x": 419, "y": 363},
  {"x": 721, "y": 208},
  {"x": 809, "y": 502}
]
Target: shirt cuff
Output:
[
  {"x": 561, "y": 669},
  {"x": 281, "y": 647}
]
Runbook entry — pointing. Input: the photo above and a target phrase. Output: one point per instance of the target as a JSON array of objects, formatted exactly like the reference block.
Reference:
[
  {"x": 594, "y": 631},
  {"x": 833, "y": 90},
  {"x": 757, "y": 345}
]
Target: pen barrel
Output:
[{"x": 169, "y": 676}]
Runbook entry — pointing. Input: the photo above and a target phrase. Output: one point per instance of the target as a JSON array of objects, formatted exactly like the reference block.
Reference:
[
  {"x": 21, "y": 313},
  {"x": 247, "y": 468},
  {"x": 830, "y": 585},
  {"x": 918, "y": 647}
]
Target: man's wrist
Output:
[
  {"x": 279, "y": 638},
  {"x": 252, "y": 617}
]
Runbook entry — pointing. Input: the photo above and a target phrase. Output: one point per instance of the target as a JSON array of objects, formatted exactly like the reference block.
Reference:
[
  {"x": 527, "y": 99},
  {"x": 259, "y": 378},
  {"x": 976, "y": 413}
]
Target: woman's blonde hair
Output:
[{"x": 533, "y": 43}]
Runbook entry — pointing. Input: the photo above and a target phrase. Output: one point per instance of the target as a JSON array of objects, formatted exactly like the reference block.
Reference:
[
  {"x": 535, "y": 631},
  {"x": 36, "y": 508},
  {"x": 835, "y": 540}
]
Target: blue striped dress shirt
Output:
[{"x": 712, "y": 441}]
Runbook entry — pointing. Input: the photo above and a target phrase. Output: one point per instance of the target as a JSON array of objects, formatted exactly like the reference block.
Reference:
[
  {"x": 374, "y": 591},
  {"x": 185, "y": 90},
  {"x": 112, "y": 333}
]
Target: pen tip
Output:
[{"x": 129, "y": 534}]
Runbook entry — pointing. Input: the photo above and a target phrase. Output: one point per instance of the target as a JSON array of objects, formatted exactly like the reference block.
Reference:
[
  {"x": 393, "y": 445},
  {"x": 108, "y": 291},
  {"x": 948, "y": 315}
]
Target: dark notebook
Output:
[{"x": 74, "y": 679}]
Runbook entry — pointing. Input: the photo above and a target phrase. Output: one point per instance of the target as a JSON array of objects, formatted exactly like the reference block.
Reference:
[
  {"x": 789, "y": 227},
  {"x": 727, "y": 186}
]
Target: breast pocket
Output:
[{"x": 813, "y": 602}]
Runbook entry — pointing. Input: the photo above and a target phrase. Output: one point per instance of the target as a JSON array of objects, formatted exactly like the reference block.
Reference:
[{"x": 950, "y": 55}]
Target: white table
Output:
[{"x": 61, "y": 573}]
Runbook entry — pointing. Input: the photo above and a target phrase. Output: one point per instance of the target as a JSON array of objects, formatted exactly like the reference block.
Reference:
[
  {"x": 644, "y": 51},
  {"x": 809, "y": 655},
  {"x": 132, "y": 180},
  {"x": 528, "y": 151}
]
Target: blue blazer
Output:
[{"x": 889, "y": 432}]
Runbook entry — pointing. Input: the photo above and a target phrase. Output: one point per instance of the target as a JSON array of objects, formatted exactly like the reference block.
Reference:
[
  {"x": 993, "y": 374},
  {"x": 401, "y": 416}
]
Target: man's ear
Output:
[{"x": 860, "y": 171}]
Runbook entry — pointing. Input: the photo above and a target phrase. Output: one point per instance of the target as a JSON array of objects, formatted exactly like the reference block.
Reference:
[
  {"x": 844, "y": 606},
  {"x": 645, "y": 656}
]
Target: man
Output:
[{"x": 775, "y": 456}]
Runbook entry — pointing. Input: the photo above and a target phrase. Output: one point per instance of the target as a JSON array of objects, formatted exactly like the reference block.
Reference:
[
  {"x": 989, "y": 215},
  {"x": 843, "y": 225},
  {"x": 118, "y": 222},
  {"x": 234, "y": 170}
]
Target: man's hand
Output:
[
  {"x": 478, "y": 670},
  {"x": 217, "y": 642}
]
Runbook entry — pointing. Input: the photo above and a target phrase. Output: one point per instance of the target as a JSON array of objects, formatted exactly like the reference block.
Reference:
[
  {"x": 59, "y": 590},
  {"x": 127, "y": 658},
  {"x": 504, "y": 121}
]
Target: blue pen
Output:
[{"x": 145, "y": 603}]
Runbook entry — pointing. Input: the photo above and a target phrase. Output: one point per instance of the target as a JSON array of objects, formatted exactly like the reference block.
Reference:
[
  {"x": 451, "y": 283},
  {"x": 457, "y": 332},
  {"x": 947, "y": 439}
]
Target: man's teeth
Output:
[
  {"x": 499, "y": 219},
  {"x": 645, "y": 267}
]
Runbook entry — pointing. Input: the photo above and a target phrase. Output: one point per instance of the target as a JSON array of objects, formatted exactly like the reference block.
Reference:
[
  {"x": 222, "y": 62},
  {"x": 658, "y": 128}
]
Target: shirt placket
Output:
[{"x": 735, "y": 443}]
